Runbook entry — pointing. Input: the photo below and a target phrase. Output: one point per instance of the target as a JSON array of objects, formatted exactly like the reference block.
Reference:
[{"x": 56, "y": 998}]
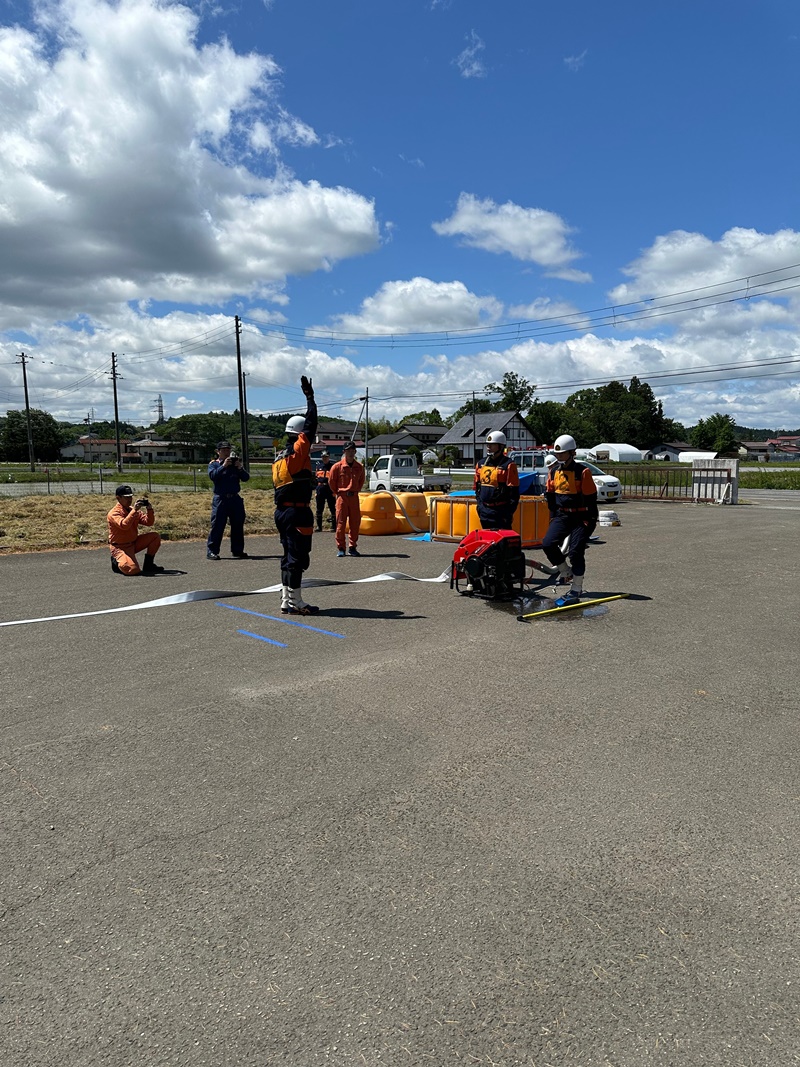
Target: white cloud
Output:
[
  {"x": 121, "y": 168},
  {"x": 549, "y": 312},
  {"x": 469, "y": 61},
  {"x": 681, "y": 261},
  {"x": 419, "y": 306},
  {"x": 201, "y": 376},
  {"x": 532, "y": 234},
  {"x": 574, "y": 63}
]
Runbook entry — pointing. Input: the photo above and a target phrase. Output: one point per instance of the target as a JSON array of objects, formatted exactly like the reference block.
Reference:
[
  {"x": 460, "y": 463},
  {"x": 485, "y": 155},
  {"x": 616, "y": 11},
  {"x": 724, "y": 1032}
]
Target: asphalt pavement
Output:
[{"x": 409, "y": 830}]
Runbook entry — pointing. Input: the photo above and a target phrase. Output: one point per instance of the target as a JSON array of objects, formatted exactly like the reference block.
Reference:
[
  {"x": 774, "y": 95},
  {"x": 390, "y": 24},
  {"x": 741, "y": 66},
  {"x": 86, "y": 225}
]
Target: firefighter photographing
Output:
[{"x": 496, "y": 485}]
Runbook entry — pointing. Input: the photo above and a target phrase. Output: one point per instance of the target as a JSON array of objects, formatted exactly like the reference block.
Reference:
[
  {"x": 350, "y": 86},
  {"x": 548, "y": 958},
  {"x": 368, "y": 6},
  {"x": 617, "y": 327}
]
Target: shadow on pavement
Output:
[{"x": 366, "y": 613}]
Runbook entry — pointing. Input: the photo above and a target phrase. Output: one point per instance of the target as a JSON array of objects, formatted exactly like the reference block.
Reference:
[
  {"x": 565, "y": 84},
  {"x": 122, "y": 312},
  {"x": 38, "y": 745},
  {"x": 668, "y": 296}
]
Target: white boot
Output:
[
  {"x": 564, "y": 573},
  {"x": 285, "y": 591},
  {"x": 297, "y": 606}
]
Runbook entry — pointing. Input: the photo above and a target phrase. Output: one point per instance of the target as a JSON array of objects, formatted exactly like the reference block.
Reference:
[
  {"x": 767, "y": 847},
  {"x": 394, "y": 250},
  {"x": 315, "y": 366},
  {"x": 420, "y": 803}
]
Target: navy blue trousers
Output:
[
  {"x": 296, "y": 529},
  {"x": 224, "y": 509},
  {"x": 495, "y": 518},
  {"x": 574, "y": 524}
]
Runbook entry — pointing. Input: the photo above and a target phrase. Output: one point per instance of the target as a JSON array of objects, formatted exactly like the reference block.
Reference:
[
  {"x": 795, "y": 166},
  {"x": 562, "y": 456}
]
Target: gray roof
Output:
[
  {"x": 393, "y": 439},
  {"x": 461, "y": 433}
]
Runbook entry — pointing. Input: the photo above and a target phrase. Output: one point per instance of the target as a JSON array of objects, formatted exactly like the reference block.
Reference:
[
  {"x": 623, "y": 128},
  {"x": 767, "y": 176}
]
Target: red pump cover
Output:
[{"x": 479, "y": 541}]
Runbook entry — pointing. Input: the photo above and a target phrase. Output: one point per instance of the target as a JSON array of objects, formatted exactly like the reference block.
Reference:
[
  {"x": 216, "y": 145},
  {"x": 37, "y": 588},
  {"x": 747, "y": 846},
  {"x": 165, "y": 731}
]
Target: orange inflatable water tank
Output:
[
  {"x": 377, "y": 514},
  {"x": 455, "y": 517},
  {"x": 415, "y": 507}
]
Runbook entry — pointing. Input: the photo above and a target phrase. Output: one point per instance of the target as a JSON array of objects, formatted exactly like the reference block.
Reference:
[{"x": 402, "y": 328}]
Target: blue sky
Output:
[{"x": 379, "y": 189}]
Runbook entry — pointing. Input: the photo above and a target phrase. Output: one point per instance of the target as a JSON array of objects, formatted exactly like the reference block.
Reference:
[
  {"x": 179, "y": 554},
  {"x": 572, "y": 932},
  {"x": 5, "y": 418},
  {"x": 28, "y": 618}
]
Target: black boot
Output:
[
  {"x": 150, "y": 566},
  {"x": 115, "y": 566}
]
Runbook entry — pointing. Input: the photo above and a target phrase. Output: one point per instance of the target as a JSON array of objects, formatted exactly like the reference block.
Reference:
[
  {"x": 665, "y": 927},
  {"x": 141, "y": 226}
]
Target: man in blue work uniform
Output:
[
  {"x": 294, "y": 481},
  {"x": 227, "y": 474},
  {"x": 496, "y": 485}
]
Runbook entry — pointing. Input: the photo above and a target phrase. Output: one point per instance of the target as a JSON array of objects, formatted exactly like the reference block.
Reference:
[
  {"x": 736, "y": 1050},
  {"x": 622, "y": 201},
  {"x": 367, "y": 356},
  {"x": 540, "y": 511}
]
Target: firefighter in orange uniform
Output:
[
  {"x": 572, "y": 499},
  {"x": 293, "y": 481},
  {"x": 496, "y": 485},
  {"x": 124, "y": 521},
  {"x": 324, "y": 494},
  {"x": 346, "y": 480}
]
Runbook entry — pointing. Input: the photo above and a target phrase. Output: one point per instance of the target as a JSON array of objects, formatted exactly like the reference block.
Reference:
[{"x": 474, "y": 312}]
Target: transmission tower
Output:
[{"x": 159, "y": 406}]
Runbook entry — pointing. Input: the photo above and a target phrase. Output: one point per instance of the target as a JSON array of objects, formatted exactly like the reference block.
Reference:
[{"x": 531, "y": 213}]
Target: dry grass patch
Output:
[{"x": 34, "y": 523}]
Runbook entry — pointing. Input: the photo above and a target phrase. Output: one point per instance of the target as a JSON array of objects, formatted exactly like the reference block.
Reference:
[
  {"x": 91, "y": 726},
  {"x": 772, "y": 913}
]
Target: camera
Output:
[{"x": 142, "y": 502}]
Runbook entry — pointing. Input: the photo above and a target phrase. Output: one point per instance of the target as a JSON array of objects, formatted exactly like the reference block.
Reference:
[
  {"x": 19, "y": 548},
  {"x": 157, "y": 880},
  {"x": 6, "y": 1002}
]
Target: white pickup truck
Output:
[{"x": 399, "y": 474}]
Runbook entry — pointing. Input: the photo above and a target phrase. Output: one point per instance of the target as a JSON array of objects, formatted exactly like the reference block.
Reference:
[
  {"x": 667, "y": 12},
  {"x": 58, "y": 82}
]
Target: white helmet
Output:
[
  {"x": 296, "y": 424},
  {"x": 549, "y": 460},
  {"x": 564, "y": 443},
  {"x": 496, "y": 437}
]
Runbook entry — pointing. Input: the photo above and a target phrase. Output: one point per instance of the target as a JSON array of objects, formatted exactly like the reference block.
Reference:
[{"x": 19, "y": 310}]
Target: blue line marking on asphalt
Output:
[
  {"x": 280, "y": 618},
  {"x": 258, "y": 637}
]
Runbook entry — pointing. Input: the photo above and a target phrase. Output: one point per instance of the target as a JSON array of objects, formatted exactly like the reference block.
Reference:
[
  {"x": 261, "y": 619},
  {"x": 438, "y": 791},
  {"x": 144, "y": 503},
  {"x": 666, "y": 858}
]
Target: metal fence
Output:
[
  {"x": 682, "y": 483},
  {"x": 53, "y": 483}
]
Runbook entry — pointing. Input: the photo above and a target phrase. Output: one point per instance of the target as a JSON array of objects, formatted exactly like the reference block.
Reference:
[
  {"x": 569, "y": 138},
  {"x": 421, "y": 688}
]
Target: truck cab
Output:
[
  {"x": 532, "y": 471},
  {"x": 401, "y": 473}
]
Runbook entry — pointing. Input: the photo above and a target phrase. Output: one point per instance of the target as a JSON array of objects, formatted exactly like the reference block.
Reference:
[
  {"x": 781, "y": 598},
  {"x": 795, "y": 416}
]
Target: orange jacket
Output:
[
  {"x": 124, "y": 522},
  {"x": 346, "y": 477},
  {"x": 292, "y": 477}
]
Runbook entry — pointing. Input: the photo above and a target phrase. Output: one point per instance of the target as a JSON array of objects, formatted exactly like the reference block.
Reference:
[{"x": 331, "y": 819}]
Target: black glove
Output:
[{"x": 306, "y": 386}]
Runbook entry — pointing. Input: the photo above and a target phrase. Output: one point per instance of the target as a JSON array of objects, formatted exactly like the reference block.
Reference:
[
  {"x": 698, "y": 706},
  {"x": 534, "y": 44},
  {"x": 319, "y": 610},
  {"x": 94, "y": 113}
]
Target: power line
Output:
[{"x": 612, "y": 315}]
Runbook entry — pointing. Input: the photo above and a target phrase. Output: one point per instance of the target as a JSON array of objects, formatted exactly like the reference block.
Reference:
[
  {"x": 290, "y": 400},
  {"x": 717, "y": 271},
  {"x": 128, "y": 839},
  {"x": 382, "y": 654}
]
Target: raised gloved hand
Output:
[{"x": 306, "y": 386}]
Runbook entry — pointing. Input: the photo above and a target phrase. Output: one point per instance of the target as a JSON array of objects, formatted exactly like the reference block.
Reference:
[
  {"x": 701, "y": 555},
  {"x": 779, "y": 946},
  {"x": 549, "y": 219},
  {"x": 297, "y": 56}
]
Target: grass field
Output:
[{"x": 34, "y": 523}]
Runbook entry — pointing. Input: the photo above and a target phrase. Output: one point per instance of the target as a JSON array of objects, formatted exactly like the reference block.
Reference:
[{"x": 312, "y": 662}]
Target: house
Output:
[
  {"x": 152, "y": 450},
  {"x": 90, "y": 448},
  {"x": 758, "y": 450},
  {"x": 668, "y": 451},
  {"x": 787, "y": 446},
  {"x": 472, "y": 428},
  {"x": 384, "y": 444},
  {"x": 427, "y": 435}
]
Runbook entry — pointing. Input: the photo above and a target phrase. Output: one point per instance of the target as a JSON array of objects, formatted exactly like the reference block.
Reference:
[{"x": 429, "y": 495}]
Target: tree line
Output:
[{"x": 612, "y": 412}]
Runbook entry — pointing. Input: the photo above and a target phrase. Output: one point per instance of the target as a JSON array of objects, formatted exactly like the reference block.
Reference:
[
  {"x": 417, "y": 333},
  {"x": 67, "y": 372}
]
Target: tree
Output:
[
  {"x": 422, "y": 418},
  {"x": 70, "y": 431},
  {"x": 204, "y": 430},
  {"x": 546, "y": 419},
  {"x": 717, "y": 433},
  {"x": 46, "y": 434},
  {"x": 516, "y": 393}
]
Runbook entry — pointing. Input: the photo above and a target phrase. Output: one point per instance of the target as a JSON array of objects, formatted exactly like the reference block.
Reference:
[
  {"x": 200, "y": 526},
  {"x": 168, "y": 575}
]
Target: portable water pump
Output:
[{"x": 490, "y": 564}]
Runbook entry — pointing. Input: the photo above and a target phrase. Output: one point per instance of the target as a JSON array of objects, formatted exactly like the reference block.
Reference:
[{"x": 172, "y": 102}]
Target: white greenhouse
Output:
[{"x": 616, "y": 453}]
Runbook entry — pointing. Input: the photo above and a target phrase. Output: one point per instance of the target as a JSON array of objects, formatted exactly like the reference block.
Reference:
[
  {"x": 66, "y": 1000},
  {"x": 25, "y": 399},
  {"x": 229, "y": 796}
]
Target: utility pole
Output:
[
  {"x": 114, "y": 375},
  {"x": 474, "y": 442},
  {"x": 242, "y": 412},
  {"x": 366, "y": 424},
  {"x": 245, "y": 442},
  {"x": 88, "y": 421},
  {"x": 23, "y": 360}
]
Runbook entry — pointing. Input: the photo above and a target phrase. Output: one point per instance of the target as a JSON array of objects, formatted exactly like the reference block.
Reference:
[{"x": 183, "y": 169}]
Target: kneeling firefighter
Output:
[
  {"x": 572, "y": 500},
  {"x": 496, "y": 485},
  {"x": 293, "y": 480}
]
